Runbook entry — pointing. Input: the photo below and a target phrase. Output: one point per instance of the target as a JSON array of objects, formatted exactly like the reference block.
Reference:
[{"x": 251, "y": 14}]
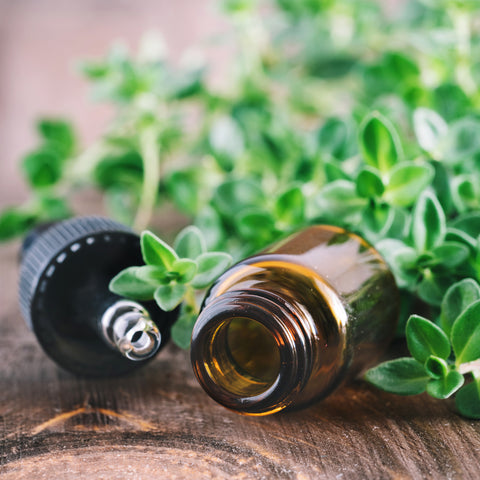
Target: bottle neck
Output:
[{"x": 252, "y": 351}]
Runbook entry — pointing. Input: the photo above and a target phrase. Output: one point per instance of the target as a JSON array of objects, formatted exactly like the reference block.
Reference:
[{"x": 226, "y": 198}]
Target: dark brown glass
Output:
[{"x": 284, "y": 328}]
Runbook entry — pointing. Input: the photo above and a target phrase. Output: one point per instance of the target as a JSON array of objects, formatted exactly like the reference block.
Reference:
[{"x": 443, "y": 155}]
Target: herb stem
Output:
[
  {"x": 150, "y": 152},
  {"x": 470, "y": 367},
  {"x": 191, "y": 300},
  {"x": 462, "y": 26}
]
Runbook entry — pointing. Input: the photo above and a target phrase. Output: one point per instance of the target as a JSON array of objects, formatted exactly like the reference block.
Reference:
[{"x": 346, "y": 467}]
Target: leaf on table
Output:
[
  {"x": 403, "y": 376},
  {"x": 467, "y": 400},
  {"x": 446, "y": 386}
]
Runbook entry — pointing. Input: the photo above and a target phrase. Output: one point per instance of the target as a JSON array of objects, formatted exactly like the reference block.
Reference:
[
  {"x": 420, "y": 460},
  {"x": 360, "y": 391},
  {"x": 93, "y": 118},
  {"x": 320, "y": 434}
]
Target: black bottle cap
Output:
[{"x": 63, "y": 292}]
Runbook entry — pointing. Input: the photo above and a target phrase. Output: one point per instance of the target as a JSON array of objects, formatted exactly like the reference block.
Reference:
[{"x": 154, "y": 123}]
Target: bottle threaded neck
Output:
[{"x": 250, "y": 353}]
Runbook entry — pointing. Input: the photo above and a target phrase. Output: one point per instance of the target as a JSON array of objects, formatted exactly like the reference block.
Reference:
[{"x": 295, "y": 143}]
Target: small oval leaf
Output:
[
  {"x": 156, "y": 252},
  {"x": 210, "y": 266},
  {"x": 403, "y": 376},
  {"x": 128, "y": 284},
  {"x": 424, "y": 338},
  {"x": 466, "y": 335}
]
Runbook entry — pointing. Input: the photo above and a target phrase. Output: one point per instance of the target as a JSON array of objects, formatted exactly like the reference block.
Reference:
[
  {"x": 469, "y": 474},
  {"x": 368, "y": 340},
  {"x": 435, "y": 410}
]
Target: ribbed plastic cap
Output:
[{"x": 55, "y": 244}]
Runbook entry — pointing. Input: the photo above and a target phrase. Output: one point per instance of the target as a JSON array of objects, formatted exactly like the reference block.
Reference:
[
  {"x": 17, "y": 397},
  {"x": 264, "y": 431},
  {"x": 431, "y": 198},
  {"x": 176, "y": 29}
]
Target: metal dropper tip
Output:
[{"x": 127, "y": 327}]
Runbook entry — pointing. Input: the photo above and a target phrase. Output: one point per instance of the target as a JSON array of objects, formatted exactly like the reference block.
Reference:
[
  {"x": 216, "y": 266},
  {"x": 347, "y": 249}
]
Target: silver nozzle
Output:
[{"x": 128, "y": 328}]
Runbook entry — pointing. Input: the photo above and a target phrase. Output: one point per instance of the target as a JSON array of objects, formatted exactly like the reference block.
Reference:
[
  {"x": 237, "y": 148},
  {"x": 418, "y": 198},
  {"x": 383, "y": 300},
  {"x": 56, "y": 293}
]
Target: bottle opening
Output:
[{"x": 244, "y": 357}]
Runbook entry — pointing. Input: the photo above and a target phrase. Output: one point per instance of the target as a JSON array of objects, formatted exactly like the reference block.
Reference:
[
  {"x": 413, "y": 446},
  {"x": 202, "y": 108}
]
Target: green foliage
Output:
[
  {"x": 321, "y": 119},
  {"x": 433, "y": 368}
]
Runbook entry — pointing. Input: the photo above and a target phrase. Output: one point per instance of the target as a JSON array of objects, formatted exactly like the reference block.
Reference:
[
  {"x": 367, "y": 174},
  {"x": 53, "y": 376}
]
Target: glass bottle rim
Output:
[{"x": 293, "y": 347}]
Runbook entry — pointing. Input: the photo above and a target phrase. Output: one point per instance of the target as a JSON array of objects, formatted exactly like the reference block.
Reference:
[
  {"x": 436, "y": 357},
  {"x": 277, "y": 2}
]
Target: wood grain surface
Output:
[{"x": 158, "y": 423}]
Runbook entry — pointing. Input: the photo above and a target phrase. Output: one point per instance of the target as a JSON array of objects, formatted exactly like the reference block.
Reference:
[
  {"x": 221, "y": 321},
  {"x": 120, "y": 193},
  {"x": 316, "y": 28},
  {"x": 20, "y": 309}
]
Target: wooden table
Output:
[{"x": 158, "y": 423}]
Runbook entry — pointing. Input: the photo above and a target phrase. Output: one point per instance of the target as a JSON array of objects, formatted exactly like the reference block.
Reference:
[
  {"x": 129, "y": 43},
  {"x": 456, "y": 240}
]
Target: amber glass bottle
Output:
[{"x": 284, "y": 328}]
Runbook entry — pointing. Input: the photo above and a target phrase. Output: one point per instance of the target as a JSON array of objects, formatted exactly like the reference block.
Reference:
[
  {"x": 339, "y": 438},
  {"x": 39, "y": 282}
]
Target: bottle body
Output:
[{"x": 282, "y": 329}]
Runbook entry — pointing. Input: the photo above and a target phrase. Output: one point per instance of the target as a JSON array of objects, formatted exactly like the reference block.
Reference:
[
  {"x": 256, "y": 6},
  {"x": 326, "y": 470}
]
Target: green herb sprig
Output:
[
  {"x": 441, "y": 355},
  {"x": 172, "y": 276}
]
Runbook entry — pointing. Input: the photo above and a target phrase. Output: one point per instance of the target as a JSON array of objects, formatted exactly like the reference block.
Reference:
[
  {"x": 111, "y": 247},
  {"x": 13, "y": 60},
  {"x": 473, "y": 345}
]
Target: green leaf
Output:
[
  {"x": 462, "y": 140},
  {"x": 14, "y": 222},
  {"x": 467, "y": 400},
  {"x": 169, "y": 296},
  {"x": 42, "y": 168},
  {"x": 339, "y": 200},
  {"x": 430, "y": 128},
  {"x": 429, "y": 223},
  {"x": 378, "y": 219},
  {"x": 401, "y": 259},
  {"x": 403, "y": 376},
  {"x": 450, "y": 101},
  {"x": 465, "y": 193},
  {"x": 210, "y": 266},
  {"x": 369, "y": 183},
  {"x": 290, "y": 206},
  {"x": 468, "y": 223},
  {"x": 457, "y": 299},
  {"x": 446, "y": 386},
  {"x": 407, "y": 182},
  {"x": 432, "y": 287},
  {"x": 182, "y": 328},
  {"x": 58, "y": 134},
  {"x": 185, "y": 189},
  {"x": 334, "y": 137},
  {"x": 424, "y": 338},
  {"x": 156, "y": 252},
  {"x": 256, "y": 225},
  {"x": 190, "y": 243},
  {"x": 379, "y": 142},
  {"x": 227, "y": 142},
  {"x": 185, "y": 269},
  {"x": 153, "y": 275},
  {"x": 436, "y": 367},
  {"x": 332, "y": 170},
  {"x": 128, "y": 284},
  {"x": 465, "y": 335},
  {"x": 450, "y": 254},
  {"x": 459, "y": 236},
  {"x": 210, "y": 224},
  {"x": 114, "y": 170},
  {"x": 53, "y": 208},
  {"x": 236, "y": 195}
]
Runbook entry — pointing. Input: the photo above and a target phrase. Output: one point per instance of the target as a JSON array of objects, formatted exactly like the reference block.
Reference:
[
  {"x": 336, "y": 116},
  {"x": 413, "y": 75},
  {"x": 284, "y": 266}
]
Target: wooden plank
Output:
[{"x": 160, "y": 422}]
